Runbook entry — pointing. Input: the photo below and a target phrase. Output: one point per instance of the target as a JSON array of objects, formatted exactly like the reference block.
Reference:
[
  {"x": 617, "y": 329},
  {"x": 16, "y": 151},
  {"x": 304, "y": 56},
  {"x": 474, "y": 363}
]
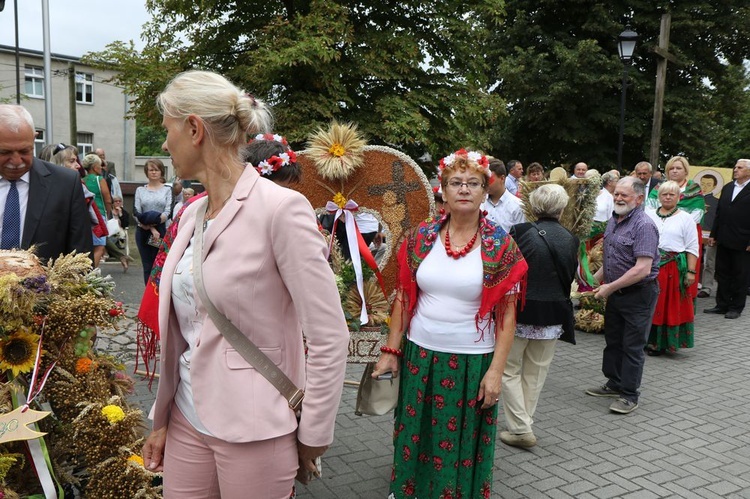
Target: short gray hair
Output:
[
  {"x": 638, "y": 187},
  {"x": 13, "y": 116},
  {"x": 609, "y": 177},
  {"x": 646, "y": 164},
  {"x": 548, "y": 200},
  {"x": 669, "y": 186}
]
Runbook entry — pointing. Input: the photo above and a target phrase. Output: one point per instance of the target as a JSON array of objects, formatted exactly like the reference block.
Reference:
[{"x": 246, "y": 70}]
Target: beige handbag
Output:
[{"x": 376, "y": 397}]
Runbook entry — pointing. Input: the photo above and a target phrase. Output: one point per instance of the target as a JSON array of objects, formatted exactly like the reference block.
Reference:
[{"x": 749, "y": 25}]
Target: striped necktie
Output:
[{"x": 11, "y": 234}]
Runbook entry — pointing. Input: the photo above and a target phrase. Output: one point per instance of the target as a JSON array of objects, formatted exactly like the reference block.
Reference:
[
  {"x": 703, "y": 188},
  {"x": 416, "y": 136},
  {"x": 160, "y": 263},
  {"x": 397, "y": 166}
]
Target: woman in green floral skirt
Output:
[{"x": 458, "y": 304}]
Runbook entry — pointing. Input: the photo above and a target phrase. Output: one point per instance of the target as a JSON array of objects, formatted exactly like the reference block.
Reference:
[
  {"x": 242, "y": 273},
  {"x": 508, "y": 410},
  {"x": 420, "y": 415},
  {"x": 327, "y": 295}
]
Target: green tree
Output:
[
  {"x": 411, "y": 74},
  {"x": 149, "y": 139},
  {"x": 730, "y": 120},
  {"x": 557, "y": 66}
]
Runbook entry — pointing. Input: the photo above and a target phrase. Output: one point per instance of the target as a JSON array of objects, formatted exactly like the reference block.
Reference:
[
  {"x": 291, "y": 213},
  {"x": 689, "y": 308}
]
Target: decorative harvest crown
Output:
[
  {"x": 275, "y": 163},
  {"x": 338, "y": 151},
  {"x": 474, "y": 156}
]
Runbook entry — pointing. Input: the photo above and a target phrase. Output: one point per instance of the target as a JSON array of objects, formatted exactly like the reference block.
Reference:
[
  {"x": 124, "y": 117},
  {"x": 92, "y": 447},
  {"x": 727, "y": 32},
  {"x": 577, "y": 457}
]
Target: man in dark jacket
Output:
[
  {"x": 731, "y": 235},
  {"x": 41, "y": 204}
]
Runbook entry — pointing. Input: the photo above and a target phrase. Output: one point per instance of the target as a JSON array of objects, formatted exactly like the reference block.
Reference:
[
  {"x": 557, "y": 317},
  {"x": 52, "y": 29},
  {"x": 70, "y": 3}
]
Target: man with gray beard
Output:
[
  {"x": 628, "y": 277},
  {"x": 41, "y": 204}
]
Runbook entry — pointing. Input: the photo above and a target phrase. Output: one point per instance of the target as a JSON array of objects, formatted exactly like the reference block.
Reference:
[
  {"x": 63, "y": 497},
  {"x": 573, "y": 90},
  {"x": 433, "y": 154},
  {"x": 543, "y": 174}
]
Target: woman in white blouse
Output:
[{"x": 672, "y": 326}]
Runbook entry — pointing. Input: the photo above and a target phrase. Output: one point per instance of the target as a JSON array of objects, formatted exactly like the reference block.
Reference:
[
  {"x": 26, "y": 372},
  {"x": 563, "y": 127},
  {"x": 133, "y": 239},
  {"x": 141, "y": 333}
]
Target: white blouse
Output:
[
  {"x": 605, "y": 205},
  {"x": 677, "y": 233},
  {"x": 450, "y": 292},
  {"x": 191, "y": 323}
]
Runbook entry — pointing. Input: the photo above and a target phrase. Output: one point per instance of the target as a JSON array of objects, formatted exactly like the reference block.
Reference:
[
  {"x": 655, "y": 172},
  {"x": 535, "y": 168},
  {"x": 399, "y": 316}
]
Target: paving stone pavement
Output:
[{"x": 690, "y": 437}]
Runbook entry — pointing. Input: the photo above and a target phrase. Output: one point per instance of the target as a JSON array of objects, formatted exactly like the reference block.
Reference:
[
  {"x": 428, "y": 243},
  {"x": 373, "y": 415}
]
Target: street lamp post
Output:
[{"x": 625, "y": 47}]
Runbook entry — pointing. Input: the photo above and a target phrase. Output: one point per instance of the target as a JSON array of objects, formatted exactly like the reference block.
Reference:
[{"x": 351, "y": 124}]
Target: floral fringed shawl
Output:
[
  {"x": 147, "y": 337},
  {"x": 503, "y": 267},
  {"x": 691, "y": 200}
]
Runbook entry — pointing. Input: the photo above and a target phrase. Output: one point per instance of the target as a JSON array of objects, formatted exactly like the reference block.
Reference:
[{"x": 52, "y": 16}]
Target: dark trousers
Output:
[
  {"x": 732, "y": 276},
  {"x": 627, "y": 322},
  {"x": 148, "y": 253}
]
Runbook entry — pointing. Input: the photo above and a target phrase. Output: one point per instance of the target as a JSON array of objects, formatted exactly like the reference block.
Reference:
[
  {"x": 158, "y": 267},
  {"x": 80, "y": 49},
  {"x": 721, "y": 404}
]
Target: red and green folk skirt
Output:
[
  {"x": 444, "y": 443},
  {"x": 672, "y": 326}
]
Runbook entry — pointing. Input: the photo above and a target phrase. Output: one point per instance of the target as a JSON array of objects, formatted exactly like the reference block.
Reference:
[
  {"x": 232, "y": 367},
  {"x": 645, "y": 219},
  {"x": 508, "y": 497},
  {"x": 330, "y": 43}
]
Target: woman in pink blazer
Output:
[{"x": 220, "y": 429}]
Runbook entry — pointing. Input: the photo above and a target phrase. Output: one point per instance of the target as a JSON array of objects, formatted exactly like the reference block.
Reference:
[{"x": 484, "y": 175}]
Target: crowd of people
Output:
[{"x": 483, "y": 295}]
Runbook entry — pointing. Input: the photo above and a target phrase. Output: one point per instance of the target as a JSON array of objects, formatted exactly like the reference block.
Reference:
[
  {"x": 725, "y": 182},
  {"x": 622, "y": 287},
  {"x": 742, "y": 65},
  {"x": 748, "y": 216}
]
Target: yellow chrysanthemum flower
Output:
[
  {"x": 135, "y": 458},
  {"x": 339, "y": 199},
  {"x": 18, "y": 351},
  {"x": 113, "y": 413}
]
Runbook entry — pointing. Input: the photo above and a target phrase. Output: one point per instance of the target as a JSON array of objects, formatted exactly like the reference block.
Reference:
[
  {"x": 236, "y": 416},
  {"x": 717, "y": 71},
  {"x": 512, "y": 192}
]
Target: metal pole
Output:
[
  {"x": 18, "y": 59},
  {"x": 49, "y": 138},
  {"x": 622, "y": 115},
  {"x": 72, "y": 109}
]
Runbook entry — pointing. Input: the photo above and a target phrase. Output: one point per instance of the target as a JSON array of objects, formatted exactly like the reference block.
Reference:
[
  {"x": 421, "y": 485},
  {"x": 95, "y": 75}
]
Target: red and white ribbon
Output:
[{"x": 351, "y": 237}]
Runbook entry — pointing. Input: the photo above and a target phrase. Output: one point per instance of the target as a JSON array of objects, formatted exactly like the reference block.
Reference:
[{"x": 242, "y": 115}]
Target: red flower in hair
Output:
[{"x": 276, "y": 162}]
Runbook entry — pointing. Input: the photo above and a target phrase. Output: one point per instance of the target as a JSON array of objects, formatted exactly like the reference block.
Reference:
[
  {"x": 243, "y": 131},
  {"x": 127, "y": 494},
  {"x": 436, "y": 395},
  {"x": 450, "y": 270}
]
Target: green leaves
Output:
[
  {"x": 410, "y": 73},
  {"x": 538, "y": 80}
]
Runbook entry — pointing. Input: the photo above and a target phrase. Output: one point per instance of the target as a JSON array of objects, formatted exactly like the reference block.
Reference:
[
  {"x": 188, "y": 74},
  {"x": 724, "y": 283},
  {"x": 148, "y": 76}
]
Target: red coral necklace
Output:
[{"x": 456, "y": 254}]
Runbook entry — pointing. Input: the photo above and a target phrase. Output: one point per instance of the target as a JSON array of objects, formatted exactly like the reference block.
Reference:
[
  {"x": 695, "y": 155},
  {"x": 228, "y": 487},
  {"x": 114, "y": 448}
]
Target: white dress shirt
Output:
[
  {"x": 23, "y": 197},
  {"x": 605, "y": 205},
  {"x": 507, "y": 212},
  {"x": 511, "y": 184},
  {"x": 738, "y": 188}
]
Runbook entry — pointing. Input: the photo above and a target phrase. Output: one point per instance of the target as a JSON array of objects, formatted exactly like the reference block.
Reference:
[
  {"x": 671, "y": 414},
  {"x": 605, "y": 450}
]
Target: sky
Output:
[{"x": 76, "y": 26}]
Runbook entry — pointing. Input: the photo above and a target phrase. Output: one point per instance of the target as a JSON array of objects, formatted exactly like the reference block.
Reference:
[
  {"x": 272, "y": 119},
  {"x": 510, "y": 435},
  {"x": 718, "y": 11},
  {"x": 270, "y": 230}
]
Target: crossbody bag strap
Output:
[
  {"x": 542, "y": 233},
  {"x": 239, "y": 341}
]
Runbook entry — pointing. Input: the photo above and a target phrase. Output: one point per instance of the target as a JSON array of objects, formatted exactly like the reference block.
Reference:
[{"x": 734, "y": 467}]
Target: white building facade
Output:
[{"x": 100, "y": 111}]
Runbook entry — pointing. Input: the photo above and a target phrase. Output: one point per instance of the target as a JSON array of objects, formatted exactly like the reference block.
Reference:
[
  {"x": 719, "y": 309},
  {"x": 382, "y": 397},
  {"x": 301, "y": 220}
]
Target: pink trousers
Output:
[{"x": 197, "y": 465}]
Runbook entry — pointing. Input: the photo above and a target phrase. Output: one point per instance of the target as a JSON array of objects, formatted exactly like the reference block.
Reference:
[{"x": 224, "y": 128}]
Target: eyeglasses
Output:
[{"x": 471, "y": 184}]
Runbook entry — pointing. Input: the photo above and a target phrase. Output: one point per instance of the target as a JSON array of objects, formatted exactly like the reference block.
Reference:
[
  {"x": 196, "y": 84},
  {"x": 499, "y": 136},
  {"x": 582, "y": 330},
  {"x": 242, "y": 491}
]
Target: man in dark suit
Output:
[
  {"x": 644, "y": 171},
  {"x": 731, "y": 234},
  {"x": 41, "y": 204}
]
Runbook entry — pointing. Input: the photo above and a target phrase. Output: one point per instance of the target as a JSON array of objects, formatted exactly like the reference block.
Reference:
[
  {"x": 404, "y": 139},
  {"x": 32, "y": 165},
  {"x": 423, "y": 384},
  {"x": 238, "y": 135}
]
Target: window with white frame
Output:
[
  {"x": 85, "y": 88},
  {"x": 85, "y": 143},
  {"x": 38, "y": 142},
  {"x": 34, "y": 76}
]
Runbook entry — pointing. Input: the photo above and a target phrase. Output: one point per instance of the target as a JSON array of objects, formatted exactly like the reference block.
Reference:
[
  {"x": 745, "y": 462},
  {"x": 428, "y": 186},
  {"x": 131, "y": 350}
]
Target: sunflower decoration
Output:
[
  {"x": 338, "y": 151},
  {"x": 18, "y": 351}
]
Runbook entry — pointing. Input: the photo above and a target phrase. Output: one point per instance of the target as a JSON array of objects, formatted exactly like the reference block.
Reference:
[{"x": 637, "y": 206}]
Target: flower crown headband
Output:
[
  {"x": 275, "y": 162},
  {"x": 477, "y": 157}
]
